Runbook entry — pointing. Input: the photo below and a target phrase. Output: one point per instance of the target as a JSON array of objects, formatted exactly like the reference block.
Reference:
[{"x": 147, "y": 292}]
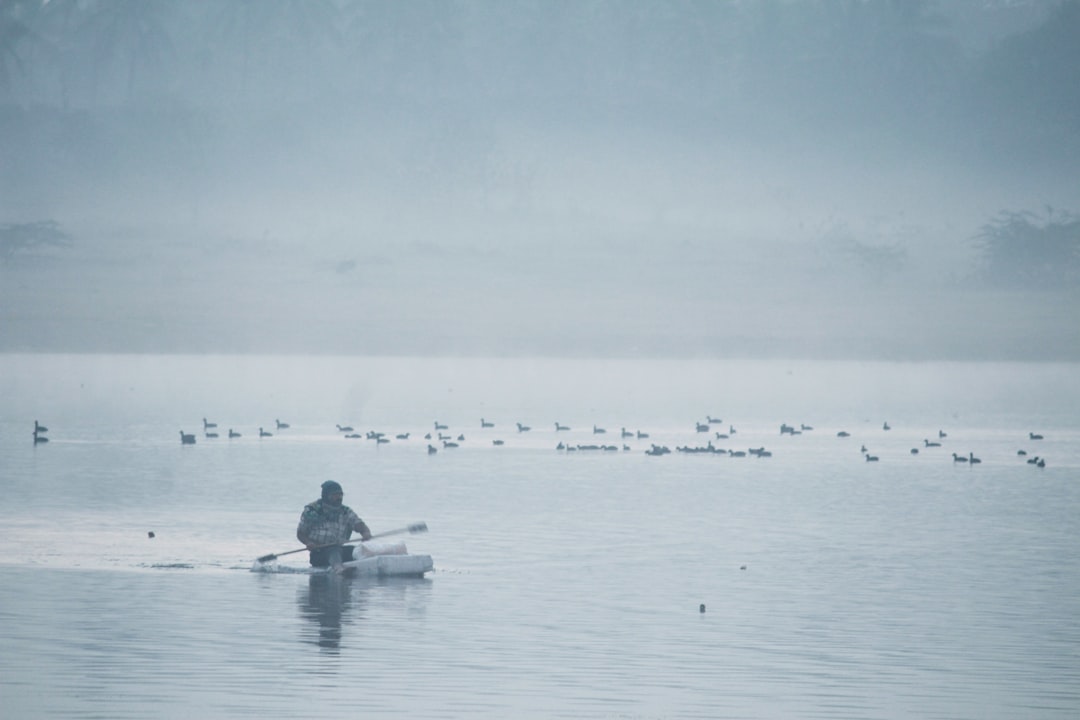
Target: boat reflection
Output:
[
  {"x": 332, "y": 602},
  {"x": 328, "y": 603}
]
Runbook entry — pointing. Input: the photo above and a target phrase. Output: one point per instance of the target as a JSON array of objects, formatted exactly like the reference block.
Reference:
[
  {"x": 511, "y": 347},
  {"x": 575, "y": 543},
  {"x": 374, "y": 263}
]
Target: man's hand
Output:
[{"x": 365, "y": 533}]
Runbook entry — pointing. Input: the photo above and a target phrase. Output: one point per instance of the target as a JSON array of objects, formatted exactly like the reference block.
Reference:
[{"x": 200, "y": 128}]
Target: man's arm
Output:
[
  {"x": 360, "y": 527},
  {"x": 303, "y": 538}
]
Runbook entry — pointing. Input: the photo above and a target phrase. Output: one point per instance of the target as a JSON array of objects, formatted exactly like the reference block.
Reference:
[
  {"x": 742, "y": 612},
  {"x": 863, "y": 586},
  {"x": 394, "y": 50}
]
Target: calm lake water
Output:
[{"x": 567, "y": 584}]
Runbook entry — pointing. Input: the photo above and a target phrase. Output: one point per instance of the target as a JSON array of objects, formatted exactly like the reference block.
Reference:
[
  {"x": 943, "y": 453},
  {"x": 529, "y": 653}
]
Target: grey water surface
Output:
[{"x": 567, "y": 583}]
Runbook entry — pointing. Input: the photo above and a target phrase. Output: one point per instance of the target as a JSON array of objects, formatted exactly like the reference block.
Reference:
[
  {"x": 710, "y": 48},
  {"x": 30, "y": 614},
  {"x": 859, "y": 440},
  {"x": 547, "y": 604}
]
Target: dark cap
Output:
[{"x": 329, "y": 487}]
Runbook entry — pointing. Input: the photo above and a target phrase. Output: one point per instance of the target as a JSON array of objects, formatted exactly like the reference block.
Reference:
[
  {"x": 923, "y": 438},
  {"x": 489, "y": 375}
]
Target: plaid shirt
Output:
[{"x": 325, "y": 524}]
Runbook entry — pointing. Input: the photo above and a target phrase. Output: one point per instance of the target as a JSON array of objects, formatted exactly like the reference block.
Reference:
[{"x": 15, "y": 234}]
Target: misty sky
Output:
[{"x": 787, "y": 178}]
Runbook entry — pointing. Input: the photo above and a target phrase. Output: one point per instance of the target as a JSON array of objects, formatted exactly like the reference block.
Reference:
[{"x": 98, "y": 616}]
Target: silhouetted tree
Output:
[
  {"x": 132, "y": 35},
  {"x": 875, "y": 261},
  {"x": 1027, "y": 86},
  {"x": 14, "y": 31},
  {"x": 21, "y": 238},
  {"x": 1020, "y": 249},
  {"x": 272, "y": 45},
  {"x": 61, "y": 60}
]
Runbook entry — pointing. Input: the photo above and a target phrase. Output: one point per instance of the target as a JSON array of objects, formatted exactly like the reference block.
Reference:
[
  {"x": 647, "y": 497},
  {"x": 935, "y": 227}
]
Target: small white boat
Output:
[
  {"x": 383, "y": 559},
  {"x": 390, "y": 566},
  {"x": 375, "y": 559}
]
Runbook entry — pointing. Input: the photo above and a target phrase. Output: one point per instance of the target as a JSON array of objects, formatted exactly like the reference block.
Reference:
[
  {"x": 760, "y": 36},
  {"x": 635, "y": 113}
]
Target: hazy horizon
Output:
[{"x": 726, "y": 179}]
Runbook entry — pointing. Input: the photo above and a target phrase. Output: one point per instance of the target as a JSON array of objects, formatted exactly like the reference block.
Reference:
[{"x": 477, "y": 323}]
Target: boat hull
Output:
[{"x": 390, "y": 566}]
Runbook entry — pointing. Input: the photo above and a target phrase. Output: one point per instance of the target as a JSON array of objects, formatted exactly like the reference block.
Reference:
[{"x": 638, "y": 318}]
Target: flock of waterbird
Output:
[
  {"x": 448, "y": 441},
  {"x": 210, "y": 431},
  {"x": 969, "y": 459}
]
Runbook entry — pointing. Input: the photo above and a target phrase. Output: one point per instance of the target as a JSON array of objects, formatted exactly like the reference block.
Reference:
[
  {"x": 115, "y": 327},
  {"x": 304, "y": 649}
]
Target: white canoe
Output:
[
  {"x": 388, "y": 559},
  {"x": 375, "y": 559},
  {"x": 391, "y": 566}
]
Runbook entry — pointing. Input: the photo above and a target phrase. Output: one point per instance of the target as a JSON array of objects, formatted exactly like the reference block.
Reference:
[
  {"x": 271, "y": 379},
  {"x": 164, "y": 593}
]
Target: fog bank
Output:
[{"x": 798, "y": 179}]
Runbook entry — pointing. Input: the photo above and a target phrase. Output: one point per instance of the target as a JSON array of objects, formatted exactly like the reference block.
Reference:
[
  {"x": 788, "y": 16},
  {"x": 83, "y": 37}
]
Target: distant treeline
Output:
[
  {"x": 919, "y": 65},
  {"x": 179, "y": 108}
]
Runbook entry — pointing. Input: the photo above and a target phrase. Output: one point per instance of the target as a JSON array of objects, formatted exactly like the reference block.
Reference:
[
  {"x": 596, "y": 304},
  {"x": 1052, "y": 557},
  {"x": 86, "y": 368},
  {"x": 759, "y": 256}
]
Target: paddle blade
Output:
[
  {"x": 266, "y": 558},
  {"x": 418, "y": 527}
]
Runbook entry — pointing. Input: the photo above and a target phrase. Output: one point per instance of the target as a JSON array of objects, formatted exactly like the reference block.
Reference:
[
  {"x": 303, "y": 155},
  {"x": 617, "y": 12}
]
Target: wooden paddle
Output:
[{"x": 413, "y": 529}]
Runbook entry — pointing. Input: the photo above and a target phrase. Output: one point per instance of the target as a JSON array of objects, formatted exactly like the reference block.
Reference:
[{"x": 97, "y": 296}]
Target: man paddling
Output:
[{"x": 328, "y": 522}]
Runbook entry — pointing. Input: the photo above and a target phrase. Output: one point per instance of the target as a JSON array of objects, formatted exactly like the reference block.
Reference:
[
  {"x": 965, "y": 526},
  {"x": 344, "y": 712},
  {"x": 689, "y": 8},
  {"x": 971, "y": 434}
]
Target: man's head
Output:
[{"x": 332, "y": 492}]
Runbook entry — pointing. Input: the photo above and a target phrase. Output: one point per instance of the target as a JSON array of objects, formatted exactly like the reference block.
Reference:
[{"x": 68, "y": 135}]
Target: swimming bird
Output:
[
  {"x": 263, "y": 433},
  {"x": 485, "y": 424},
  {"x": 805, "y": 427},
  {"x": 561, "y": 428},
  {"x": 210, "y": 434},
  {"x": 38, "y": 428},
  {"x": 914, "y": 451},
  {"x": 598, "y": 430},
  {"x": 641, "y": 435},
  {"x": 1034, "y": 436},
  {"x": 843, "y": 433},
  {"x": 1021, "y": 452},
  {"x": 449, "y": 444},
  {"x": 381, "y": 440},
  {"x": 207, "y": 425},
  {"x": 1034, "y": 460},
  {"x": 344, "y": 428},
  {"x": 402, "y": 436},
  {"x": 972, "y": 459},
  {"x": 186, "y": 439},
  {"x": 885, "y": 426},
  {"x": 711, "y": 420},
  {"x": 233, "y": 434},
  {"x": 1041, "y": 463},
  {"x": 440, "y": 427},
  {"x": 958, "y": 458},
  {"x": 871, "y": 458},
  {"x": 431, "y": 449},
  {"x": 523, "y": 428},
  {"x": 281, "y": 425},
  {"x": 736, "y": 453},
  {"x": 461, "y": 437},
  {"x": 626, "y": 433},
  {"x": 38, "y": 439},
  {"x": 931, "y": 444},
  {"x": 496, "y": 442},
  {"x": 942, "y": 434},
  {"x": 701, "y": 427}
]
